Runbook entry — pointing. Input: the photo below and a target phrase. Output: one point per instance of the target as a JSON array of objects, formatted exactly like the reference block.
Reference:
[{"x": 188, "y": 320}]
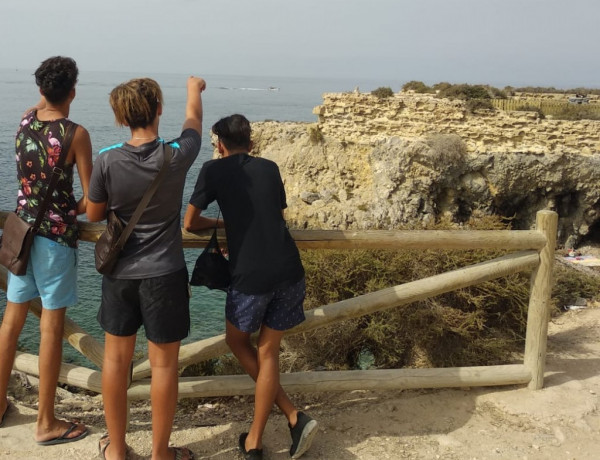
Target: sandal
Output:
[
  {"x": 181, "y": 451},
  {"x": 103, "y": 445}
]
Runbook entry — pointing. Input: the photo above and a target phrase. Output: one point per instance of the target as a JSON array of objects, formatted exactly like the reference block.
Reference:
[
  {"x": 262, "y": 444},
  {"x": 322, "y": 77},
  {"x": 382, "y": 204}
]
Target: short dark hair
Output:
[
  {"x": 56, "y": 77},
  {"x": 233, "y": 131}
]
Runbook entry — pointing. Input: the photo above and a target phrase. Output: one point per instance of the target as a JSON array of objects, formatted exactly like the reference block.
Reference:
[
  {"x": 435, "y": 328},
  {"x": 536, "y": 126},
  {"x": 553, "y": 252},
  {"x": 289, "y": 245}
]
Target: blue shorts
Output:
[
  {"x": 280, "y": 309},
  {"x": 51, "y": 275}
]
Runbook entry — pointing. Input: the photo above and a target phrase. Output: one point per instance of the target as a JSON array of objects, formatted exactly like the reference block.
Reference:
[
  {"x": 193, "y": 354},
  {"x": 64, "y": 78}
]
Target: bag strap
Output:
[
  {"x": 141, "y": 207},
  {"x": 56, "y": 173},
  {"x": 217, "y": 221}
]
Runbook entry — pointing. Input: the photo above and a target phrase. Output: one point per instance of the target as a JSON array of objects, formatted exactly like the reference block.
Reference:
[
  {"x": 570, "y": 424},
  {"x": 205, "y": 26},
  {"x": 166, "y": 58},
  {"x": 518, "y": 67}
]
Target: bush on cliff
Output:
[
  {"x": 446, "y": 149},
  {"x": 473, "y": 105},
  {"x": 467, "y": 92},
  {"x": 417, "y": 87},
  {"x": 383, "y": 92}
]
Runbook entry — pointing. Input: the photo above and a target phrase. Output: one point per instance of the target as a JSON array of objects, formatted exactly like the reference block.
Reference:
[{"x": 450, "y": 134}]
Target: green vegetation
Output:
[
  {"x": 477, "y": 97},
  {"x": 383, "y": 92},
  {"x": 417, "y": 87},
  {"x": 479, "y": 104}
]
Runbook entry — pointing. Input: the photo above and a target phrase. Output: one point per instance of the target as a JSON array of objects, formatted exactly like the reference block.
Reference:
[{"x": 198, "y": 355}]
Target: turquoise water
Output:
[{"x": 259, "y": 98}]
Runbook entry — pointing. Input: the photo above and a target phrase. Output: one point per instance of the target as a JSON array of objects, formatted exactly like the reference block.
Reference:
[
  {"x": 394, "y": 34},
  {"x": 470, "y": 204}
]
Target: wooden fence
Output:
[
  {"x": 530, "y": 250},
  {"x": 548, "y": 107}
]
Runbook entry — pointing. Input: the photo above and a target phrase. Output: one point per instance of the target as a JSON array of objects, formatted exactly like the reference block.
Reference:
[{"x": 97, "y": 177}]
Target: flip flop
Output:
[
  {"x": 62, "y": 439},
  {"x": 181, "y": 451},
  {"x": 4, "y": 415},
  {"x": 102, "y": 447}
]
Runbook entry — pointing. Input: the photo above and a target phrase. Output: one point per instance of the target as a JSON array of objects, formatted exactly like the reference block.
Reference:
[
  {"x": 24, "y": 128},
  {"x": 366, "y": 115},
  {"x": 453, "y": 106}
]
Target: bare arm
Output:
[
  {"x": 193, "y": 108},
  {"x": 193, "y": 221},
  {"x": 95, "y": 211},
  {"x": 81, "y": 155}
]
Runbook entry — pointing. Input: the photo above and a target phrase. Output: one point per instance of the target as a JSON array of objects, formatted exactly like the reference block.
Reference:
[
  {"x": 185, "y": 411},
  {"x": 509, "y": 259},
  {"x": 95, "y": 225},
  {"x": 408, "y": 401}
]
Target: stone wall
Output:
[{"x": 357, "y": 118}]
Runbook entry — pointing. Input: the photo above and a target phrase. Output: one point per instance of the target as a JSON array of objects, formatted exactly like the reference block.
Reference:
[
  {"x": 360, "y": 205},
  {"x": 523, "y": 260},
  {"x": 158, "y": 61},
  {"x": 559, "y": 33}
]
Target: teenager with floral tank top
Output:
[{"x": 52, "y": 269}]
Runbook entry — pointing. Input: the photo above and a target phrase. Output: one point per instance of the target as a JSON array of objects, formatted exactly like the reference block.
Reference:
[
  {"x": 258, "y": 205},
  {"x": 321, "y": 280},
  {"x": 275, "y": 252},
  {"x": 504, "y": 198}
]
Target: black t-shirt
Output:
[{"x": 251, "y": 196}]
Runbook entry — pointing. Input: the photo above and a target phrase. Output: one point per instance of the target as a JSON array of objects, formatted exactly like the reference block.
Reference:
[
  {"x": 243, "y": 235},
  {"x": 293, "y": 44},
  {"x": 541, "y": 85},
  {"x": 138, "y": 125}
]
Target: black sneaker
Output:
[
  {"x": 252, "y": 454},
  {"x": 302, "y": 434}
]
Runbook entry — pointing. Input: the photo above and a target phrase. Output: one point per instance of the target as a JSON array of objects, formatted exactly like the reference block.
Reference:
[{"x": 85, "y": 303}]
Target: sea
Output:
[{"x": 258, "y": 98}]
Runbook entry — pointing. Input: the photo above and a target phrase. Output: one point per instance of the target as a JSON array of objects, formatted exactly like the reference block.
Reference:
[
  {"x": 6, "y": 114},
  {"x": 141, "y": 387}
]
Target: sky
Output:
[{"x": 497, "y": 42}]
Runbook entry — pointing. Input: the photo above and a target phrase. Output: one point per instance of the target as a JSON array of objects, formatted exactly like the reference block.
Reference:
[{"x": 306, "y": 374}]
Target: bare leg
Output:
[
  {"x": 163, "y": 394},
  {"x": 241, "y": 346},
  {"x": 118, "y": 352},
  {"x": 12, "y": 325},
  {"x": 52, "y": 325},
  {"x": 263, "y": 367}
]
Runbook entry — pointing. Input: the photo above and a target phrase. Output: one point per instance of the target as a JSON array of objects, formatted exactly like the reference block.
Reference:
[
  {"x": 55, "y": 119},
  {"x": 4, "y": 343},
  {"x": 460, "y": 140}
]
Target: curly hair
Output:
[
  {"x": 135, "y": 103},
  {"x": 56, "y": 77}
]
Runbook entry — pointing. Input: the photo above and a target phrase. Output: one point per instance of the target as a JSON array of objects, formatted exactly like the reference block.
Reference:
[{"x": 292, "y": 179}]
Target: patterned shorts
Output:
[{"x": 280, "y": 309}]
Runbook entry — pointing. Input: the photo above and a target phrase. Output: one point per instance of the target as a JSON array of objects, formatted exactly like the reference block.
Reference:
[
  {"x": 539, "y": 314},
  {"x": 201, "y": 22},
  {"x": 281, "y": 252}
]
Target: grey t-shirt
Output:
[{"x": 120, "y": 176}]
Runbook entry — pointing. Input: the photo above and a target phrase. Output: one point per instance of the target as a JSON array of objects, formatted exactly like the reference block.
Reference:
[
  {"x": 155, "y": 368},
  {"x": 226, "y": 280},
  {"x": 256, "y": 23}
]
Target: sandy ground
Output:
[{"x": 561, "y": 421}]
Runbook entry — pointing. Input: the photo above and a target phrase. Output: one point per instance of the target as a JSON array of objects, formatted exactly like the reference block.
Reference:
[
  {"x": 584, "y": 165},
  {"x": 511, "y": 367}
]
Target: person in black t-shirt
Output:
[{"x": 267, "y": 288}]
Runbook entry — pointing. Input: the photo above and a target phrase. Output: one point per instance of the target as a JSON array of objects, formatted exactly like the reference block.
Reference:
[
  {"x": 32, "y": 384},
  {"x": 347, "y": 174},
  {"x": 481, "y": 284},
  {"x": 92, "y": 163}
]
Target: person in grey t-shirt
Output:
[{"x": 149, "y": 285}]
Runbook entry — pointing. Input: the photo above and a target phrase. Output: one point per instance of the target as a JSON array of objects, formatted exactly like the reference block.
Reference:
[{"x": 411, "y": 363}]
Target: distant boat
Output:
[{"x": 273, "y": 88}]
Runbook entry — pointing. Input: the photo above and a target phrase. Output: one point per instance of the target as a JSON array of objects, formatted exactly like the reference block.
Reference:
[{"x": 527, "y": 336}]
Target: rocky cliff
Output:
[{"x": 389, "y": 163}]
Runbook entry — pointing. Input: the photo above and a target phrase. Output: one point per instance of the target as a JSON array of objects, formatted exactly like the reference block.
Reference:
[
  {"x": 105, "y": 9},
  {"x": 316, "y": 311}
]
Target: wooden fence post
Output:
[{"x": 538, "y": 314}]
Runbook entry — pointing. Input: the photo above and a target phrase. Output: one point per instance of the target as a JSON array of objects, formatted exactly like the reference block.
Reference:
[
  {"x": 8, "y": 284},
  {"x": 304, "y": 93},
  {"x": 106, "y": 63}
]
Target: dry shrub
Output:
[
  {"x": 473, "y": 326},
  {"x": 480, "y": 325},
  {"x": 571, "y": 284},
  {"x": 446, "y": 148}
]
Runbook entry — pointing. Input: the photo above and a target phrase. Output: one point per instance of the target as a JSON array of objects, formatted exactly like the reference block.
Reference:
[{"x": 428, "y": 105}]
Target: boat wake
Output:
[{"x": 270, "y": 88}]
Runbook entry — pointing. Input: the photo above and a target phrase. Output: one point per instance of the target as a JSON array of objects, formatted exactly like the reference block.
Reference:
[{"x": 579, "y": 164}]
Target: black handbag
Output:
[
  {"x": 17, "y": 235},
  {"x": 212, "y": 267},
  {"x": 113, "y": 238}
]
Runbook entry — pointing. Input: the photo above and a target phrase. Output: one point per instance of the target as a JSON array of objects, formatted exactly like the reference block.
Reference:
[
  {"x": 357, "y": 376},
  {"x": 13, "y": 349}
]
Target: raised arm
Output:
[
  {"x": 193, "y": 108},
  {"x": 40, "y": 105}
]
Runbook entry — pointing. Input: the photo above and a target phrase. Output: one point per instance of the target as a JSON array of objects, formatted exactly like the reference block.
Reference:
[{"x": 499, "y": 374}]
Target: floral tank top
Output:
[{"x": 38, "y": 146}]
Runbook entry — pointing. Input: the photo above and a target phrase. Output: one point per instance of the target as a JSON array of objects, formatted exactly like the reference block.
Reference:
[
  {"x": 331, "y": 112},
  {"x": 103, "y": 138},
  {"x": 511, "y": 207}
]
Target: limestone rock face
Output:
[{"x": 376, "y": 169}]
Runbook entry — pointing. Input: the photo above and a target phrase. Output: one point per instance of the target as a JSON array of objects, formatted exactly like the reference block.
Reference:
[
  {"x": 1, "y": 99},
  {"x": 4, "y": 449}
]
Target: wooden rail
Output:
[{"x": 533, "y": 249}]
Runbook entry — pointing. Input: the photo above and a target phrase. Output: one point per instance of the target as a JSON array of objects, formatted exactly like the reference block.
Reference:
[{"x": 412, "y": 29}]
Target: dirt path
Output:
[{"x": 561, "y": 421}]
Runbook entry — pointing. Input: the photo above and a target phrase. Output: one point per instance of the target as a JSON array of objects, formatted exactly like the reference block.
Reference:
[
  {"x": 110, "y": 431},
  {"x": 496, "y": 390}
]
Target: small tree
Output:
[
  {"x": 417, "y": 87},
  {"x": 383, "y": 92}
]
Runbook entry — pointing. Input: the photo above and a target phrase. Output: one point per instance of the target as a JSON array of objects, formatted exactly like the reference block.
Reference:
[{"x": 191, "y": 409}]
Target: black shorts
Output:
[{"x": 160, "y": 304}]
